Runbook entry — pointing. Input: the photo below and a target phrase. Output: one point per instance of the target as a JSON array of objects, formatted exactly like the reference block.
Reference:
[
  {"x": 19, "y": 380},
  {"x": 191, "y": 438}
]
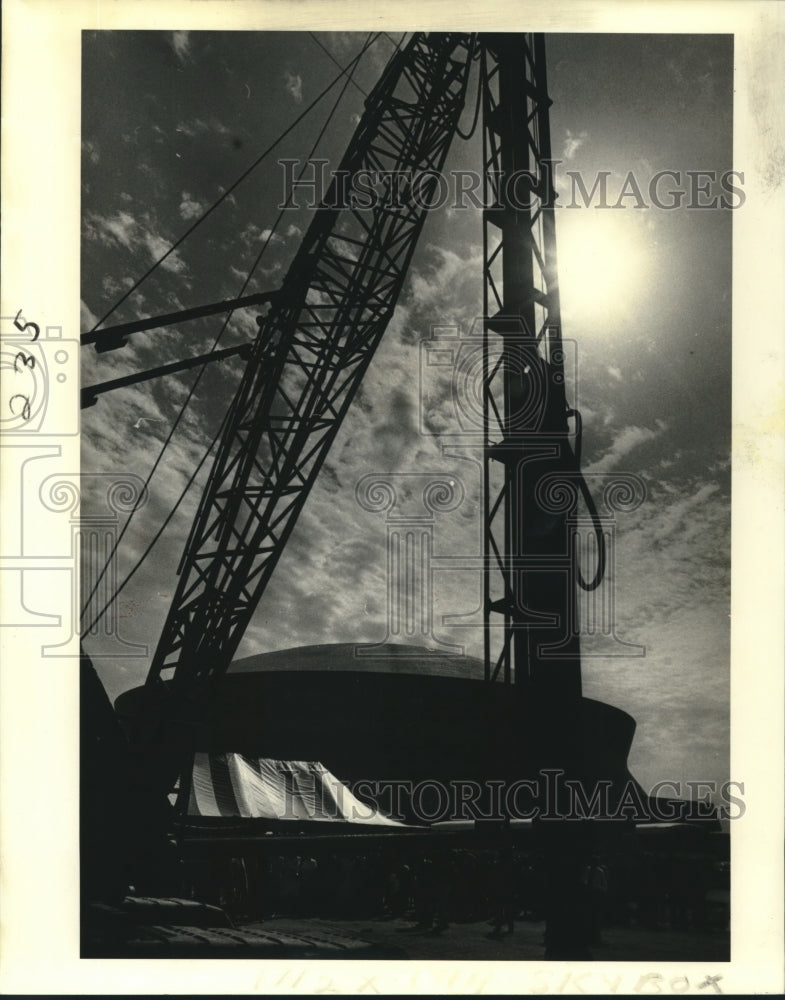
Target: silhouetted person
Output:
[
  {"x": 503, "y": 882},
  {"x": 431, "y": 894},
  {"x": 594, "y": 880}
]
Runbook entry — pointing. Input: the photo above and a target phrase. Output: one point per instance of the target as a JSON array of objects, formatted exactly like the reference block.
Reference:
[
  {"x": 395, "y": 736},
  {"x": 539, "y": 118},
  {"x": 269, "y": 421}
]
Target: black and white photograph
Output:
[{"x": 406, "y": 511}]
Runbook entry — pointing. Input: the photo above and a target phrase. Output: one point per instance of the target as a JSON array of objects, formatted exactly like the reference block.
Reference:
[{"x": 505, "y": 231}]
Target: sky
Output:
[{"x": 171, "y": 119}]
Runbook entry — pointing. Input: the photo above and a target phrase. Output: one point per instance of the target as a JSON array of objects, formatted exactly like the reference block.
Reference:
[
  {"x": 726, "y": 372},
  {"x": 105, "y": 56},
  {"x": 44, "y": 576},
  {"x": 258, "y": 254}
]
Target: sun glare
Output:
[{"x": 602, "y": 261}]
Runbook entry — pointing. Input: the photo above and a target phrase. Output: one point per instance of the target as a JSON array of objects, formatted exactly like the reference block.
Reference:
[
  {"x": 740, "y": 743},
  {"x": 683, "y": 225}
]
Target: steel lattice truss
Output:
[
  {"x": 309, "y": 359},
  {"x": 525, "y": 412}
]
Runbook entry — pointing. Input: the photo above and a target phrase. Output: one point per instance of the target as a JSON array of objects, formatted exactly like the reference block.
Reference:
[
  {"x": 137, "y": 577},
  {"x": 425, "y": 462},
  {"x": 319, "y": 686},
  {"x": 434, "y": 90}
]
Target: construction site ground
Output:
[{"x": 478, "y": 942}]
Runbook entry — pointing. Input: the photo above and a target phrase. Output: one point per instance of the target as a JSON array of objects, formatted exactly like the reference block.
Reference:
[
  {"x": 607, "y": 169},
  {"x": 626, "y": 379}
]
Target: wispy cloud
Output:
[
  {"x": 573, "y": 143},
  {"x": 253, "y": 236},
  {"x": 626, "y": 441},
  {"x": 198, "y": 126},
  {"x": 119, "y": 228},
  {"x": 157, "y": 247},
  {"x": 294, "y": 86},
  {"x": 91, "y": 151},
  {"x": 190, "y": 208},
  {"x": 124, "y": 230},
  {"x": 181, "y": 43},
  {"x": 447, "y": 281},
  {"x": 671, "y": 587},
  {"x": 87, "y": 317},
  {"x": 114, "y": 287}
]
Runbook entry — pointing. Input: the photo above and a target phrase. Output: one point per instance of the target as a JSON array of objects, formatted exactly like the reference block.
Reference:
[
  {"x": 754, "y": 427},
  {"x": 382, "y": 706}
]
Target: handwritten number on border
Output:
[
  {"x": 25, "y": 325},
  {"x": 25, "y": 411},
  {"x": 28, "y": 361}
]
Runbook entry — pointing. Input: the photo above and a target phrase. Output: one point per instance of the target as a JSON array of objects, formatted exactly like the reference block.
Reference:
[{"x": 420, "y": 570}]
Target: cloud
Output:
[
  {"x": 627, "y": 440},
  {"x": 198, "y": 126},
  {"x": 158, "y": 246},
  {"x": 447, "y": 283},
  {"x": 114, "y": 287},
  {"x": 124, "y": 230},
  {"x": 343, "y": 248},
  {"x": 670, "y": 592},
  {"x": 87, "y": 317},
  {"x": 90, "y": 150},
  {"x": 294, "y": 86},
  {"x": 190, "y": 208},
  {"x": 268, "y": 234},
  {"x": 253, "y": 236},
  {"x": 397, "y": 436},
  {"x": 111, "y": 230},
  {"x": 342, "y": 41},
  {"x": 230, "y": 198},
  {"x": 181, "y": 43},
  {"x": 573, "y": 143}
]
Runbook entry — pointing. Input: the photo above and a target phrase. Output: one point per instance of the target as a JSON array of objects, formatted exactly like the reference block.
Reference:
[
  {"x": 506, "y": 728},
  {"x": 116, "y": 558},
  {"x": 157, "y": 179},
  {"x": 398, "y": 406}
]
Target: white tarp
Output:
[{"x": 230, "y": 784}]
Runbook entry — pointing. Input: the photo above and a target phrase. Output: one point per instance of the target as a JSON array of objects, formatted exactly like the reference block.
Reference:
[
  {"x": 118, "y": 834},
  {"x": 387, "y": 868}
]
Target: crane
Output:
[
  {"x": 304, "y": 368},
  {"x": 321, "y": 332}
]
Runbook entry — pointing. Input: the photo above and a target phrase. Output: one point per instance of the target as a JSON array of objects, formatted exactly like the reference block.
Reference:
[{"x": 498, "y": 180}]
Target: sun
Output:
[{"x": 602, "y": 260}]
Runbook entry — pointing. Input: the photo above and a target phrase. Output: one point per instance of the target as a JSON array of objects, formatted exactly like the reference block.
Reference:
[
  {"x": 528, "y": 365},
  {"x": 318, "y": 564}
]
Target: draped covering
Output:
[{"x": 231, "y": 784}]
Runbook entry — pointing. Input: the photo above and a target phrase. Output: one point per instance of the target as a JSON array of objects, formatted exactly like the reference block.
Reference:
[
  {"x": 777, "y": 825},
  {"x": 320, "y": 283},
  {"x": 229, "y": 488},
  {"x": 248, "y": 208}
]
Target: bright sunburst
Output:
[{"x": 602, "y": 259}]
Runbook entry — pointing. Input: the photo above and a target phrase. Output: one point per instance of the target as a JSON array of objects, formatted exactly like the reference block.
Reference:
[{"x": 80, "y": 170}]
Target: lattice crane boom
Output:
[{"x": 312, "y": 351}]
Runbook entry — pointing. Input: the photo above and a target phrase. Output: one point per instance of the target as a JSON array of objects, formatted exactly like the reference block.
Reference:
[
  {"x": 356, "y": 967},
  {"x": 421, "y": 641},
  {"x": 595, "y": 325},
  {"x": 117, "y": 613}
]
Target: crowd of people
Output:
[{"x": 449, "y": 885}]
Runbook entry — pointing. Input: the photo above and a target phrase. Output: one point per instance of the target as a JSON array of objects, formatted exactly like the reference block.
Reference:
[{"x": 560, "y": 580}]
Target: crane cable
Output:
[
  {"x": 368, "y": 42},
  {"x": 155, "y": 537},
  {"x": 599, "y": 572},
  {"x": 471, "y": 131}
]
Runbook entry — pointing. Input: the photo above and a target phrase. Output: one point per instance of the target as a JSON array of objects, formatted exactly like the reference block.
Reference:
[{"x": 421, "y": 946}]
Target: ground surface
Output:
[{"x": 474, "y": 941}]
